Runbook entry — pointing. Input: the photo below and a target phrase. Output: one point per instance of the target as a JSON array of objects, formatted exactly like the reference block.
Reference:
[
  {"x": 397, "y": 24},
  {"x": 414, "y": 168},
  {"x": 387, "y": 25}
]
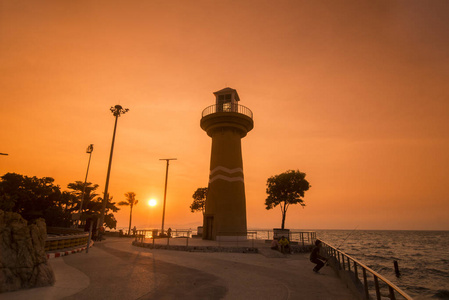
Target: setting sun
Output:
[{"x": 152, "y": 202}]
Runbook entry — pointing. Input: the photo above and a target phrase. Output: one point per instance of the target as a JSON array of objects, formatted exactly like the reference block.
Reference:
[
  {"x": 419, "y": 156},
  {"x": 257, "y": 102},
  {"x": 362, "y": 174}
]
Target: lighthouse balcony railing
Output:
[{"x": 227, "y": 107}]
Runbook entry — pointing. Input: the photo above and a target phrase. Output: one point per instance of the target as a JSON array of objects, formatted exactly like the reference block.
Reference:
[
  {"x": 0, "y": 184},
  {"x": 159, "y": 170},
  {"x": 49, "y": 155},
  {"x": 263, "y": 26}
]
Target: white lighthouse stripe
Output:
[
  {"x": 226, "y": 178},
  {"x": 229, "y": 171}
]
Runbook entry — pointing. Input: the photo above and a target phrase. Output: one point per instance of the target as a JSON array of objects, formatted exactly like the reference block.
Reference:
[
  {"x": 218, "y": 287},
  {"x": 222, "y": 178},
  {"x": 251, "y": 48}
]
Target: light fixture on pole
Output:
[
  {"x": 165, "y": 191},
  {"x": 89, "y": 150},
  {"x": 116, "y": 111}
]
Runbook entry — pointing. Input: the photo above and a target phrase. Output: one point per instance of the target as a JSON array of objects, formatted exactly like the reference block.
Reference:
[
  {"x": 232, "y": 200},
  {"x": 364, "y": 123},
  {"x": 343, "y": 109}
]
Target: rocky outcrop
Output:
[{"x": 23, "y": 263}]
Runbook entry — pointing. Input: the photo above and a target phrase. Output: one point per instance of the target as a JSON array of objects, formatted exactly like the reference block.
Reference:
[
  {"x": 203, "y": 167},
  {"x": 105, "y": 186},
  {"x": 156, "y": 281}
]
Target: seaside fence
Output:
[
  {"x": 176, "y": 233},
  {"x": 248, "y": 238},
  {"x": 367, "y": 282},
  {"x": 301, "y": 237}
]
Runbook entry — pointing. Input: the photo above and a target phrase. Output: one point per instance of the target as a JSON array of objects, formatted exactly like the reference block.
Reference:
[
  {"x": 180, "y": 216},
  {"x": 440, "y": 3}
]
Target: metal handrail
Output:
[
  {"x": 303, "y": 237},
  {"x": 233, "y": 107},
  {"x": 342, "y": 257},
  {"x": 311, "y": 237}
]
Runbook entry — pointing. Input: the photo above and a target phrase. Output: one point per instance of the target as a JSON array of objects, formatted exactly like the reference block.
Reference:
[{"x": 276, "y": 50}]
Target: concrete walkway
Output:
[{"x": 114, "y": 269}]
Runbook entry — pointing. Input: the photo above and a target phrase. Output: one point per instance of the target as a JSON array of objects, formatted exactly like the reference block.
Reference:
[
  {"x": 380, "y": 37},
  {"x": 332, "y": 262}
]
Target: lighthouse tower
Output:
[{"x": 226, "y": 122}]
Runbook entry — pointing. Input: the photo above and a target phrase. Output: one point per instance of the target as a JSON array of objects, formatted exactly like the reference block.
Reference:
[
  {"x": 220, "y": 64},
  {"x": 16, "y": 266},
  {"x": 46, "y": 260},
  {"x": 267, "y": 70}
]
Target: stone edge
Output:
[{"x": 67, "y": 252}]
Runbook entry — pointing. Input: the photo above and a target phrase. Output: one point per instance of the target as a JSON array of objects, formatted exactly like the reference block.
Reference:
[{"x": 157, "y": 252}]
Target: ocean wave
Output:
[
  {"x": 377, "y": 258},
  {"x": 441, "y": 294},
  {"x": 438, "y": 272}
]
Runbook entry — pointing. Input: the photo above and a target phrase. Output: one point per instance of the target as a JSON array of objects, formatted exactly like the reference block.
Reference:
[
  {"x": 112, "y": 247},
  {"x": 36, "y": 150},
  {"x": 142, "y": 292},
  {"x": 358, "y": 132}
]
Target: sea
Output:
[{"x": 422, "y": 256}]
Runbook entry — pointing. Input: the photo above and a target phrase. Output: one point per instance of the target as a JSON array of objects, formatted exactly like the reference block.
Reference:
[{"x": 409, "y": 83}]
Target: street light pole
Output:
[
  {"x": 89, "y": 150},
  {"x": 165, "y": 191},
  {"x": 116, "y": 111}
]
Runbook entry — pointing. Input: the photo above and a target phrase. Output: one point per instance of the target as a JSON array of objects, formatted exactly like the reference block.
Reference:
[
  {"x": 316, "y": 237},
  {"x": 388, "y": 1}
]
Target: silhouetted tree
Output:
[
  {"x": 199, "y": 200},
  {"x": 92, "y": 203},
  {"x": 285, "y": 189},
  {"x": 131, "y": 201},
  {"x": 94, "y": 208},
  {"x": 34, "y": 198},
  {"x": 89, "y": 195}
]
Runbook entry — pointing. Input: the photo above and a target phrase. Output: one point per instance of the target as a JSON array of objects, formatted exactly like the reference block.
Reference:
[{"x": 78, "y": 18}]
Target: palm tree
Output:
[{"x": 131, "y": 201}]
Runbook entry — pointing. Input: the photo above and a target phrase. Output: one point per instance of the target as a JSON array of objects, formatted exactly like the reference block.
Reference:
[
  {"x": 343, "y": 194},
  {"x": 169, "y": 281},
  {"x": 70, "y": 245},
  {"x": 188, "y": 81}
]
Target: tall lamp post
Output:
[
  {"x": 165, "y": 191},
  {"x": 89, "y": 150},
  {"x": 116, "y": 111}
]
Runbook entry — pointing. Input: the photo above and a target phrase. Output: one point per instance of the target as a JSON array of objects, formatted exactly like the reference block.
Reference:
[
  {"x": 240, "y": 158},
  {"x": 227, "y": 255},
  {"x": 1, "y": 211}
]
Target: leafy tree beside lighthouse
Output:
[
  {"x": 286, "y": 189},
  {"x": 199, "y": 200}
]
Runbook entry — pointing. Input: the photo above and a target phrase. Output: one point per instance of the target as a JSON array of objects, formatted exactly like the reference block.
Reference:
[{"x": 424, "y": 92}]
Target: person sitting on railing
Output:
[
  {"x": 316, "y": 257},
  {"x": 285, "y": 245}
]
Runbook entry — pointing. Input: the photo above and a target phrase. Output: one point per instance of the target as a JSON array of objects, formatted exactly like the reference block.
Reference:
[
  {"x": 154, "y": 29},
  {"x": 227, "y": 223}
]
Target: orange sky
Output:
[{"x": 353, "y": 93}]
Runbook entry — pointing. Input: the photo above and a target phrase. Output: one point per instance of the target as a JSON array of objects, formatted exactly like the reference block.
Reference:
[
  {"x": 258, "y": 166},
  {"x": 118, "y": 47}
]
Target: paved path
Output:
[{"x": 114, "y": 269}]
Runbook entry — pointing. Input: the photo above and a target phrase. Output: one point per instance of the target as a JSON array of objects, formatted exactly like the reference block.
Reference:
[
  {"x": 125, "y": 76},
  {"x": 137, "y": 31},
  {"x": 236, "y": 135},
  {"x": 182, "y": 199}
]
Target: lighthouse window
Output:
[
  {"x": 227, "y": 106},
  {"x": 224, "y": 102}
]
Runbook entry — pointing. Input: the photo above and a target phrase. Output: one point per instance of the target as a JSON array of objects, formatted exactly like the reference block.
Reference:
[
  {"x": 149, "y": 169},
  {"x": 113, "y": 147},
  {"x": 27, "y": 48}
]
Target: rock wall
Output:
[{"x": 23, "y": 263}]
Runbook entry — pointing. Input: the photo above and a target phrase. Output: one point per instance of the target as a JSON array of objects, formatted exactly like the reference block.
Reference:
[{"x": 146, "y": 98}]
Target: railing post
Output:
[
  {"x": 338, "y": 259},
  {"x": 376, "y": 285},
  {"x": 392, "y": 296},
  {"x": 349, "y": 264},
  {"x": 365, "y": 284}
]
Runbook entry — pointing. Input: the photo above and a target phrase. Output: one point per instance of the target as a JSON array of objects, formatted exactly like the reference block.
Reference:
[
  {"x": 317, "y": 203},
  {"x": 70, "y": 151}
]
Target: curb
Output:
[{"x": 67, "y": 252}]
